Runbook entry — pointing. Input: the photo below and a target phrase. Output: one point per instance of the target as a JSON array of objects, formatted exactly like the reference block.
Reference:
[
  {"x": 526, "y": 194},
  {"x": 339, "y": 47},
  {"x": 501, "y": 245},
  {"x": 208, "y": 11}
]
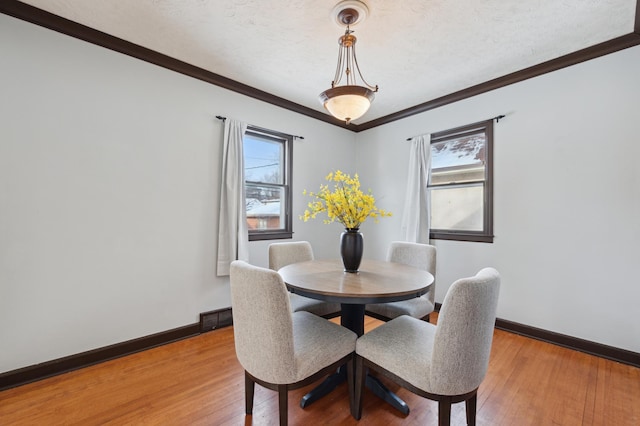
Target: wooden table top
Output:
[{"x": 376, "y": 282}]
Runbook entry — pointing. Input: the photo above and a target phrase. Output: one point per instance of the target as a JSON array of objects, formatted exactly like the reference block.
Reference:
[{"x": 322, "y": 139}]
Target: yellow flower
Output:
[{"x": 346, "y": 204}]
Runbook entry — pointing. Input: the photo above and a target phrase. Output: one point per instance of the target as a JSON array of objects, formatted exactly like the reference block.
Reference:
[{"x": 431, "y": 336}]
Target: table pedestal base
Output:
[
  {"x": 353, "y": 318},
  {"x": 327, "y": 385},
  {"x": 375, "y": 385},
  {"x": 385, "y": 394}
]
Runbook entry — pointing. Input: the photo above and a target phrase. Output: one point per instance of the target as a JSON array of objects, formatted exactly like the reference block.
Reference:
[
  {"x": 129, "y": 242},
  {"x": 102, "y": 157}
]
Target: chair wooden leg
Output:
[
  {"x": 351, "y": 383},
  {"x": 471, "y": 407},
  {"x": 249, "y": 388},
  {"x": 426, "y": 318},
  {"x": 283, "y": 404},
  {"x": 444, "y": 412},
  {"x": 356, "y": 408}
]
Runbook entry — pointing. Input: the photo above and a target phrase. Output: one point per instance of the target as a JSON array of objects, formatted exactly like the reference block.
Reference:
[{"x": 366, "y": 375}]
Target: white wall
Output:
[
  {"x": 109, "y": 171},
  {"x": 567, "y": 197}
]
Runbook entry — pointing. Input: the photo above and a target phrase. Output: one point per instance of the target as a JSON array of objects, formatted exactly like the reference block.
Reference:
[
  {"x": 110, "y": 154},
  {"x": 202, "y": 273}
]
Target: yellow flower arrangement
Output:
[{"x": 346, "y": 204}]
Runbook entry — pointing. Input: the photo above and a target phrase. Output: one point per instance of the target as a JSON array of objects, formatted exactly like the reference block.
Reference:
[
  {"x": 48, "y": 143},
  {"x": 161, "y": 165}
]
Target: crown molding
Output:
[
  {"x": 65, "y": 26},
  {"x": 601, "y": 49},
  {"x": 62, "y": 25}
]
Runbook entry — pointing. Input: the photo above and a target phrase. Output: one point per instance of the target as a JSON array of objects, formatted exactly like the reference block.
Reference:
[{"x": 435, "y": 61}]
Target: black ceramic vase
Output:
[{"x": 351, "y": 249}]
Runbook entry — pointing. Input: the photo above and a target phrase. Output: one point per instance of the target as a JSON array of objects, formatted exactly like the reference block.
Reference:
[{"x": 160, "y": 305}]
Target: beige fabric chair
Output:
[
  {"x": 277, "y": 348},
  {"x": 421, "y": 256},
  {"x": 446, "y": 362},
  {"x": 283, "y": 254}
]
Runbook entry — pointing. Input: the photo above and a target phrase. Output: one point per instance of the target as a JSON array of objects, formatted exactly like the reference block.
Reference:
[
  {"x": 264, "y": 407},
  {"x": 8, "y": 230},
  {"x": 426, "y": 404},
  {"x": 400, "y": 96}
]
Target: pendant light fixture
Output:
[{"x": 349, "y": 101}]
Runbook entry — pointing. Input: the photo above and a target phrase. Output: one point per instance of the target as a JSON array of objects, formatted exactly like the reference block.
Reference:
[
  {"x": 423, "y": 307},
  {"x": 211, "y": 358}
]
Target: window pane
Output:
[
  {"x": 265, "y": 207},
  {"x": 457, "y": 175},
  {"x": 263, "y": 159},
  {"x": 461, "y": 183},
  {"x": 267, "y": 171},
  {"x": 465, "y": 151},
  {"x": 457, "y": 208}
]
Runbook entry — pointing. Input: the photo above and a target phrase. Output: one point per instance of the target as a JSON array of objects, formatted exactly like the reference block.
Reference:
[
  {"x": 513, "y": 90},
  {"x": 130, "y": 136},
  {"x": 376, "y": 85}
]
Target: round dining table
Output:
[{"x": 375, "y": 282}]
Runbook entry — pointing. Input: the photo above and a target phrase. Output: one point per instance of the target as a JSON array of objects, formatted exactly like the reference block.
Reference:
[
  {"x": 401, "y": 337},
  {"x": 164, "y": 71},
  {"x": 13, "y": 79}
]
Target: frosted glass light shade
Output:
[{"x": 347, "y": 102}]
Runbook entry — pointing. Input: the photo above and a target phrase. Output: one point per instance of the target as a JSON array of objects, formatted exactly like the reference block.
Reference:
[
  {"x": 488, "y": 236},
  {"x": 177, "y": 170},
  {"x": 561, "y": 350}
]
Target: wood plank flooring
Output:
[{"x": 198, "y": 381}]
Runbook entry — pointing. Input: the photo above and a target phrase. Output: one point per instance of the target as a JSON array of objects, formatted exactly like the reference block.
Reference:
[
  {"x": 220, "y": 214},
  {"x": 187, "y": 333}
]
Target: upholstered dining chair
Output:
[
  {"x": 283, "y": 254},
  {"x": 280, "y": 349},
  {"x": 444, "y": 362},
  {"x": 421, "y": 256}
]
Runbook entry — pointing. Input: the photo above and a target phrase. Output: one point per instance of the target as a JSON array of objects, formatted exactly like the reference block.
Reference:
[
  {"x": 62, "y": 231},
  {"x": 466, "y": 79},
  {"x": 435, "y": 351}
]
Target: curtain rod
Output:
[
  {"x": 497, "y": 118},
  {"x": 219, "y": 117}
]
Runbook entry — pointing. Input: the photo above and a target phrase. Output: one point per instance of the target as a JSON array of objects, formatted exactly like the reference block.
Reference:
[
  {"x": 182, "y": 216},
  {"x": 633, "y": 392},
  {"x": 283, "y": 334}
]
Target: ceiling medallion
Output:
[{"x": 349, "y": 101}]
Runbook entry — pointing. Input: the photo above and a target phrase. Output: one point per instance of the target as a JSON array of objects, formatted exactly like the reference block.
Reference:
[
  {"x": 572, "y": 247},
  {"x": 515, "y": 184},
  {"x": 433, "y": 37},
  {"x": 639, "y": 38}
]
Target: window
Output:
[
  {"x": 461, "y": 184},
  {"x": 267, "y": 173}
]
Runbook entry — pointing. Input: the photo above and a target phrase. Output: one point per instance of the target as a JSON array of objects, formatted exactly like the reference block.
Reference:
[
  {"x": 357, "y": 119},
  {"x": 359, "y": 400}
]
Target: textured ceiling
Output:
[{"x": 414, "y": 50}]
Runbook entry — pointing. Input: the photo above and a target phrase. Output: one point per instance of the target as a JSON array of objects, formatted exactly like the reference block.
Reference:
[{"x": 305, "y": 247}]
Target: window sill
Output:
[
  {"x": 262, "y": 236},
  {"x": 461, "y": 236}
]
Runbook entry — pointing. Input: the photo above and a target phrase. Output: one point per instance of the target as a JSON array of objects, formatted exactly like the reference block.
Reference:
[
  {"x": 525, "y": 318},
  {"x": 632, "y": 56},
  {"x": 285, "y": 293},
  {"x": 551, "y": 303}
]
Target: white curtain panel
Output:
[
  {"x": 417, "y": 209},
  {"x": 233, "y": 235}
]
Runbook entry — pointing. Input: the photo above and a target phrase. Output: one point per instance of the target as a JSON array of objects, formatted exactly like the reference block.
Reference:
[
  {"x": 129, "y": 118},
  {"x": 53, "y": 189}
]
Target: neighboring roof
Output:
[
  {"x": 458, "y": 153},
  {"x": 264, "y": 209}
]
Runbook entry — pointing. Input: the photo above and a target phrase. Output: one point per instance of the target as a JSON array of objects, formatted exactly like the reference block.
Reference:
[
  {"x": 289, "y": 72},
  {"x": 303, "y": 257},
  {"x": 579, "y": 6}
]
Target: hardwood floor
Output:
[{"x": 198, "y": 381}]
